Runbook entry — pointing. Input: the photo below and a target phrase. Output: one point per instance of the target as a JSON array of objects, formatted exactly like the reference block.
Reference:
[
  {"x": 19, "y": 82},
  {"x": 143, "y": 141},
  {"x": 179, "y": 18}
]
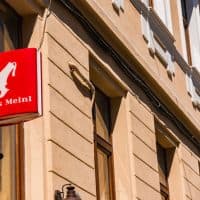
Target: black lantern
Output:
[{"x": 71, "y": 193}]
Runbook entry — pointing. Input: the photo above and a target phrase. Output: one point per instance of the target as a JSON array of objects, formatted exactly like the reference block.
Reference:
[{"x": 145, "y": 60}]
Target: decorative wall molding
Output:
[{"x": 118, "y": 4}]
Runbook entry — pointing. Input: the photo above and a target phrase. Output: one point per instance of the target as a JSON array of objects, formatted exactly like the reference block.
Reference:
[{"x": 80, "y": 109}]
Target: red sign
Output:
[{"x": 20, "y": 85}]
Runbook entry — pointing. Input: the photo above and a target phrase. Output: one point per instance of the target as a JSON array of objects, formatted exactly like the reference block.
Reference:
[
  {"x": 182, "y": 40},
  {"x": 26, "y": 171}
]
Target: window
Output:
[
  {"x": 111, "y": 134},
  {"x": 162, "y": 8},
  {"x": 103, "y": 147},
  {"x": 11, "y": 165},
  {"x": 163, "y": 172},
  {"x": 11, "y": 137},
  {"x": 10, "y": 28},
  {"x": 155, "y": 44},
  {"x": 168, "y": 164},
  {"x": 191, "y": 21}
]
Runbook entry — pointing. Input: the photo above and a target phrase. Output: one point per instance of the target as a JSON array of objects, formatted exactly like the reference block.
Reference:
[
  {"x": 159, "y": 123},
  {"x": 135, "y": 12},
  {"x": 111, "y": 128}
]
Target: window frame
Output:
[
  {"x": 164, "y": 189},
  {"x": 107, "y": 148}
]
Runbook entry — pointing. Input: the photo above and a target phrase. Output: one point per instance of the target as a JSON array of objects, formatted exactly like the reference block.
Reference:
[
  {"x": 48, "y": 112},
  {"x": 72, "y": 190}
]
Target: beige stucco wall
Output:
[
  {"x": 130, "y": 34},
  {"x": 59, "y": 146},
  {"x": 139, "y": 128}
]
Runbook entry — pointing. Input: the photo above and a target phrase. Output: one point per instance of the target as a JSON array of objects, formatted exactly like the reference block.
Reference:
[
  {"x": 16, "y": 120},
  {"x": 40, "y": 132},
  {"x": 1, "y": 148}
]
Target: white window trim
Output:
[
  {"x": 170, "y": 64},
  {"x": 191, "y": 89},
  {"x": 147, "y": 32},
  {"x": 118, "y": 4}
]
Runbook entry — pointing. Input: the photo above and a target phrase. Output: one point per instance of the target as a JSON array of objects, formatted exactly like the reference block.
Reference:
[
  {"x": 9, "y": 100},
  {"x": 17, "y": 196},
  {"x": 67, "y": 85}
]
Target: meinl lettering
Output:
[{"x": 18, "y": 100}]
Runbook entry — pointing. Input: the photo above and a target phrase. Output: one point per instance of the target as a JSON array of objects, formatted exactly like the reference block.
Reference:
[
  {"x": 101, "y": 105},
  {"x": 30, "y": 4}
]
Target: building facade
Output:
[{"x": 121, "y": 100}]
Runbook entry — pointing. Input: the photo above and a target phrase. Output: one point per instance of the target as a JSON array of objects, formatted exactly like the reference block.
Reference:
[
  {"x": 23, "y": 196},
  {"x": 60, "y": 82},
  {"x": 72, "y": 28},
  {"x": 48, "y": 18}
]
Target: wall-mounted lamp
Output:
[
  {"x": 1, "y": 156},
  {"x": 71, "y": 193}
]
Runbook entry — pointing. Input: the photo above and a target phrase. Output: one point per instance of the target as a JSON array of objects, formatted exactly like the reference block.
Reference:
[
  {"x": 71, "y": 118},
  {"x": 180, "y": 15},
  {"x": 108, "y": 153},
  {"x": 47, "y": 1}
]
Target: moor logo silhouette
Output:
[{"x": 9, "y": 69}]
